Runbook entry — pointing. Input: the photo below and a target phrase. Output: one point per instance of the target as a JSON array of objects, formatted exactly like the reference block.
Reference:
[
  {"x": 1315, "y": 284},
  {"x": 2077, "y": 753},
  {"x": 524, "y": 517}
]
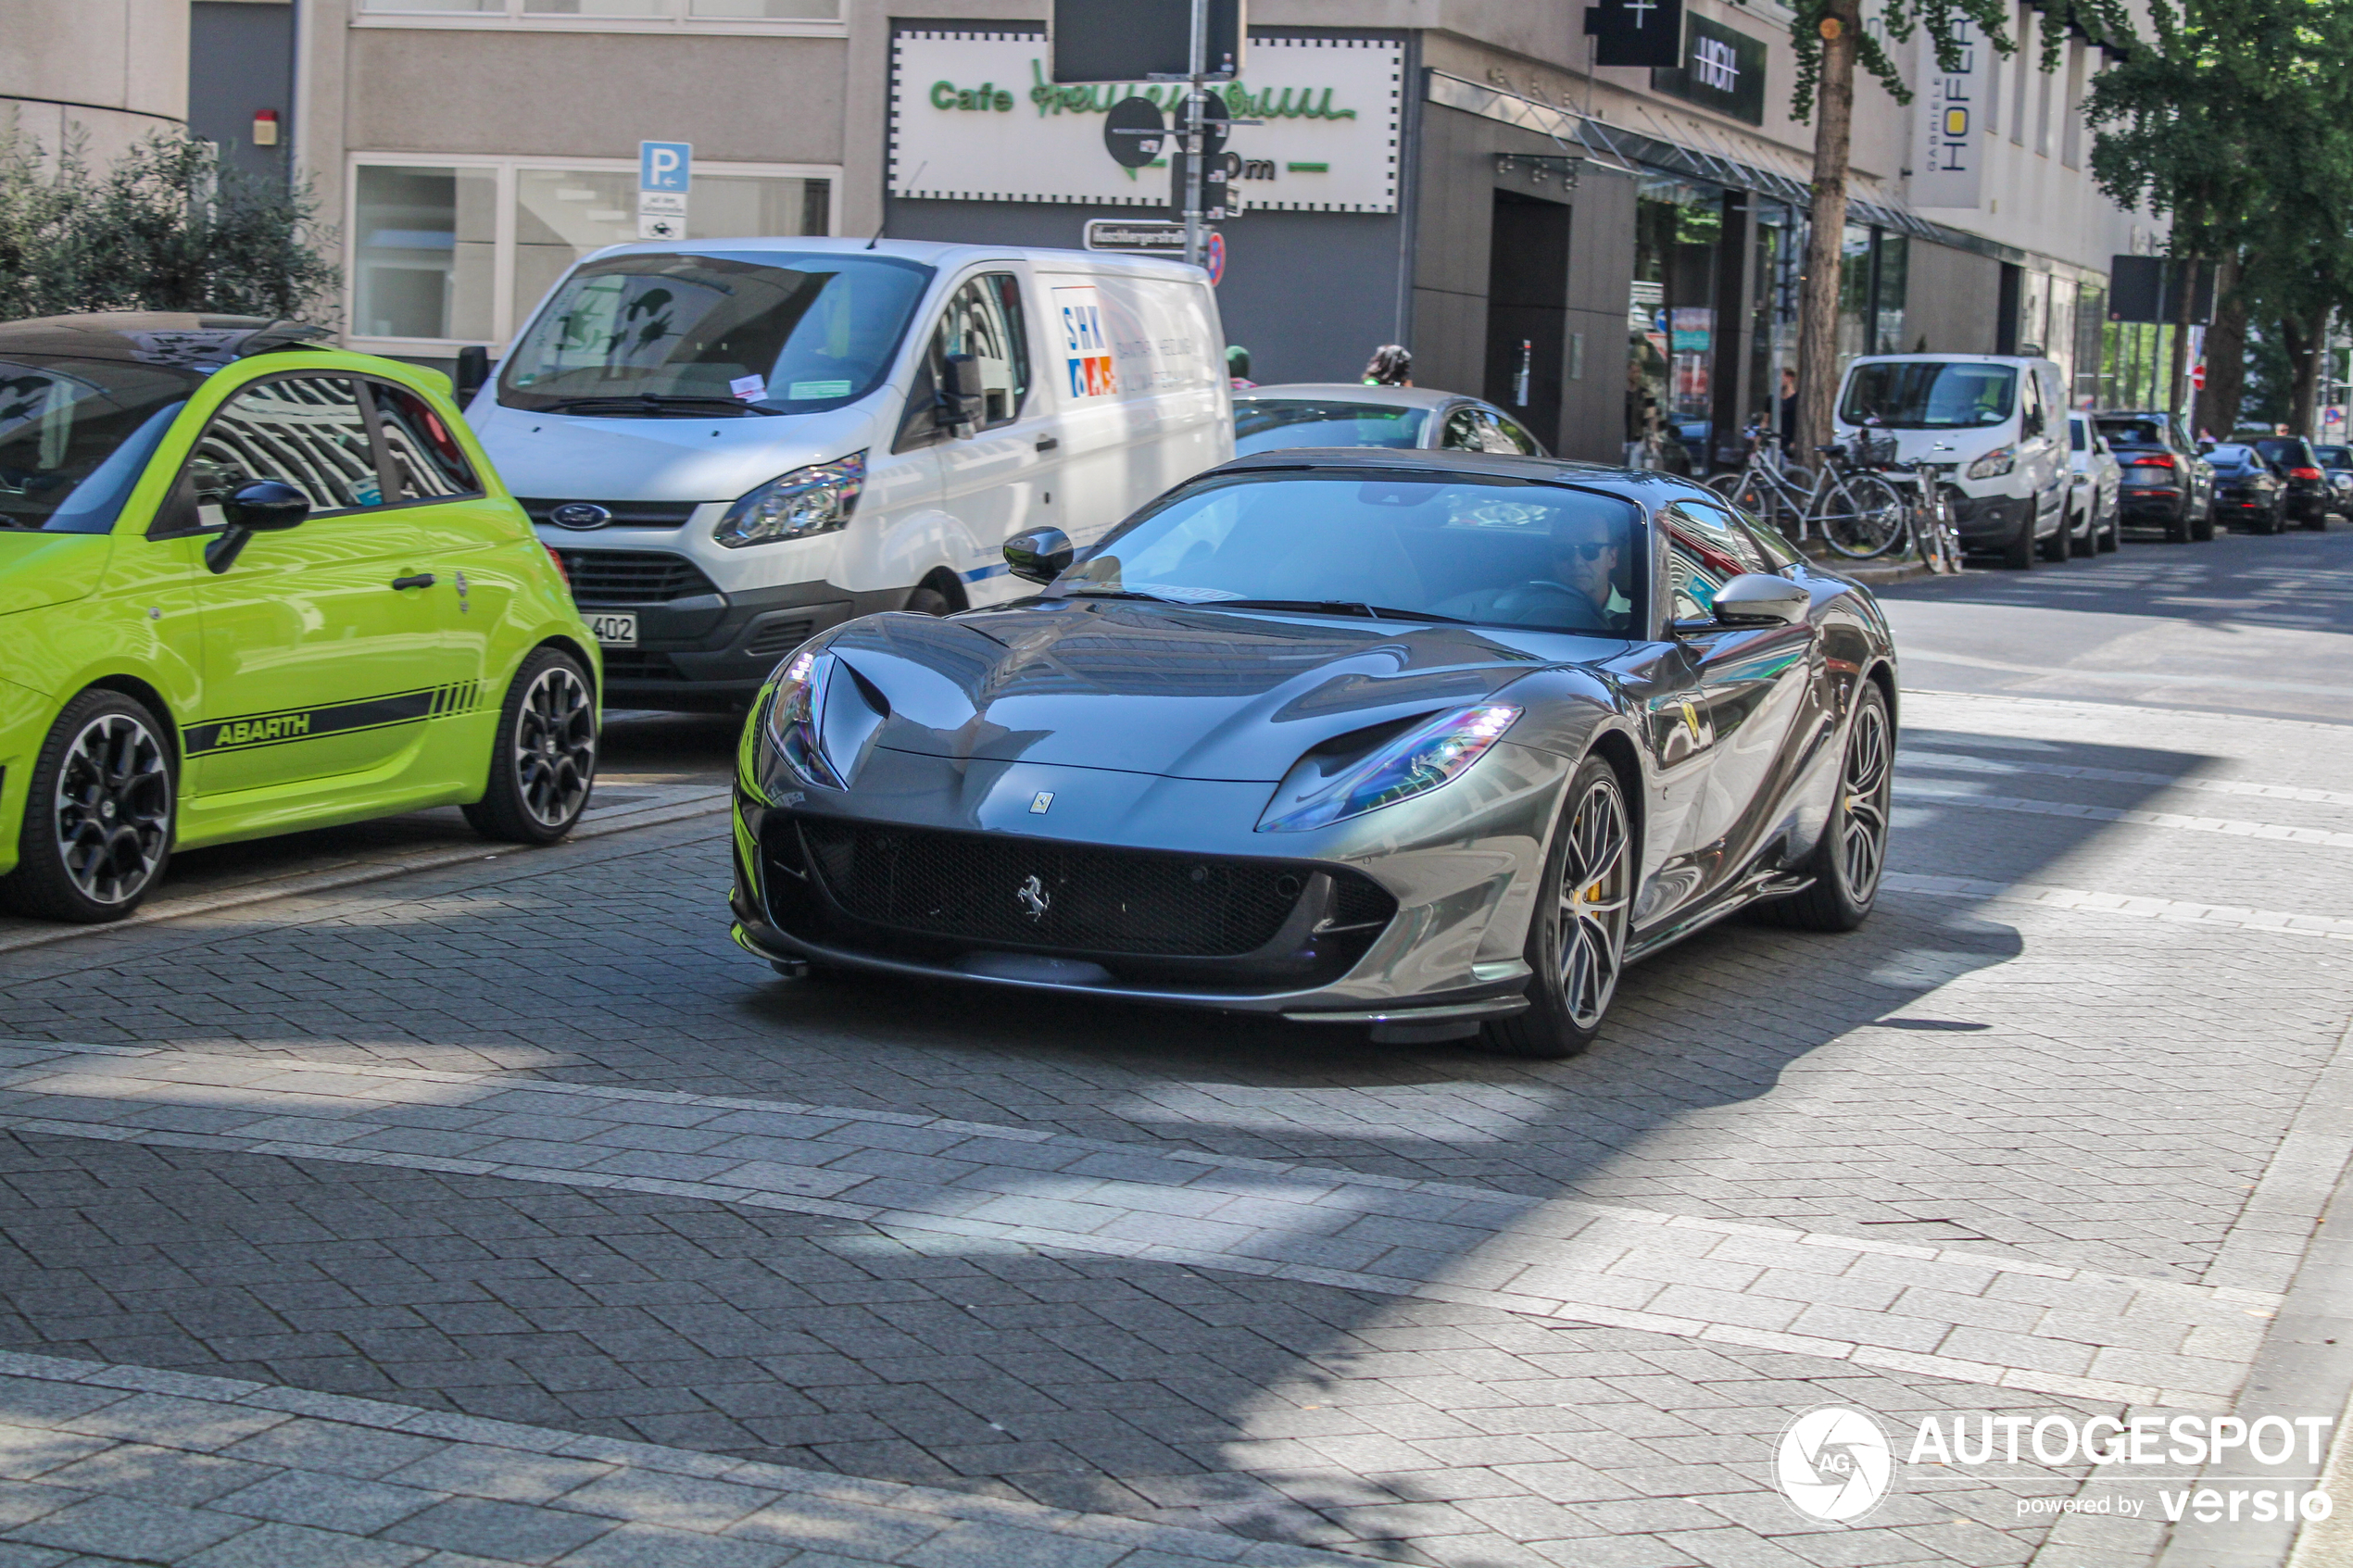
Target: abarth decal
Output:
[{"x": 332, "y": 719}]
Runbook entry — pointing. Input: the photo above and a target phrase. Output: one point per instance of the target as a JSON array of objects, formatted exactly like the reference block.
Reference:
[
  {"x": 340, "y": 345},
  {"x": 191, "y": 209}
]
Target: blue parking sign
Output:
[{"x": 664, "y": 165}]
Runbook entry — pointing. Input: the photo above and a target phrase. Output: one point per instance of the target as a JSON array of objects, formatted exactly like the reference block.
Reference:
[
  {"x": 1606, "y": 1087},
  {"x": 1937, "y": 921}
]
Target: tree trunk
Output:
[
  {"x": 1818, "y": 293},
  {"x": 2302, "y": 340},
  {"x": 2217, "y": 406}
]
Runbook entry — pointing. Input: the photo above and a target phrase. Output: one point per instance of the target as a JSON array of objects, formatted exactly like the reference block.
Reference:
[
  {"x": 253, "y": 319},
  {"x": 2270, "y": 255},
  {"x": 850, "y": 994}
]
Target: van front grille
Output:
[{"x": 607, "y": 579}]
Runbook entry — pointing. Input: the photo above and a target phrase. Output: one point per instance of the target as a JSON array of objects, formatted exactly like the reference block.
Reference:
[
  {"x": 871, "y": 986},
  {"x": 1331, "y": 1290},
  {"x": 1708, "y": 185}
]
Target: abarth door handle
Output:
[{"x": 421, "y": 580}]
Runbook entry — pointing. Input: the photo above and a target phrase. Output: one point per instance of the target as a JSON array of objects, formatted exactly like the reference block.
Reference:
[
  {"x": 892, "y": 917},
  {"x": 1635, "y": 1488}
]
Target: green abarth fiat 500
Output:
[{"x": 247, "y": 585}]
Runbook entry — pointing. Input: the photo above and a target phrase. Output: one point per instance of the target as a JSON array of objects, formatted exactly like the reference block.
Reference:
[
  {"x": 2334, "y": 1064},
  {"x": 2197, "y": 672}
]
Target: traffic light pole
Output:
[{"x": 1196, "y": 66}]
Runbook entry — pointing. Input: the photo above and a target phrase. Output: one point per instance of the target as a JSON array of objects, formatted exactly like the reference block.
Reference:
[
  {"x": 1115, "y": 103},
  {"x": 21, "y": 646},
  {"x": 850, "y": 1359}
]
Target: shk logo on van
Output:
[
  {"x": 1085, "y": 346},
  {"x": 338, "y": 718}
]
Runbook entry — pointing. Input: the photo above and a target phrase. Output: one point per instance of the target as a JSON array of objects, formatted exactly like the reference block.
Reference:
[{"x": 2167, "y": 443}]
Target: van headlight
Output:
[
  {"x": 794, "y": 711},
  {"x": 1319, "y": 791},
  {"x": 809, "y": 501},
  {"x": 1995, "y": 464}
]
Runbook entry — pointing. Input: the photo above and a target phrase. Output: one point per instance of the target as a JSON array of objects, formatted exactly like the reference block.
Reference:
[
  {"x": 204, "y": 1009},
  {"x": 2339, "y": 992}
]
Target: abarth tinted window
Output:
[
  {"x": 75, "y": 434},
  {"x": 427, "y": 463},
  {"x": 303, "y": 431}
]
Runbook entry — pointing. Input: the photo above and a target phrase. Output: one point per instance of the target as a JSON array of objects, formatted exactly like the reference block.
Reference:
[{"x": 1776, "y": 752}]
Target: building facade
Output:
[{"x": 1613, "y": 251}]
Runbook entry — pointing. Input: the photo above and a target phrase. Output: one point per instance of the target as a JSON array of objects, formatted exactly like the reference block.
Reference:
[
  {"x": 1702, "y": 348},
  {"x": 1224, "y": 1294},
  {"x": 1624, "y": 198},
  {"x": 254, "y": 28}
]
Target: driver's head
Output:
[{"x": 1585, "y": 553}]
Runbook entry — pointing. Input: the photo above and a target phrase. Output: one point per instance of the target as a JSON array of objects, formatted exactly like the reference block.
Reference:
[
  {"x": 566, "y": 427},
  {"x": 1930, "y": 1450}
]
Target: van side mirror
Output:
[
  {"x": 261, "y": 505},
  {"x": 1039, "y": 554},
  {"x": 474, "y": 369},
  {"x": 964, "y": 396}
]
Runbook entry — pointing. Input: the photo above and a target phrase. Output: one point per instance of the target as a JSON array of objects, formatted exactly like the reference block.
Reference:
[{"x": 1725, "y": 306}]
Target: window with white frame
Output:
[
  {"x": 454, "y": 251},
  {"x": 593, "y": 12}
]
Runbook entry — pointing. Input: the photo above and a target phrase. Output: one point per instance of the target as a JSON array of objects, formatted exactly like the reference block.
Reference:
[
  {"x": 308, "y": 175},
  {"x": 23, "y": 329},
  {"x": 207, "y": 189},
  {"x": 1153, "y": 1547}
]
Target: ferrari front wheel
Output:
[{"x": 1577, "y": 939}]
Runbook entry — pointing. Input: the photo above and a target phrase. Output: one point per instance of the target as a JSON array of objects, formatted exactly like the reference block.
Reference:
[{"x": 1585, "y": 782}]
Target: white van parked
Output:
[
  {"x": 733, "y": 445},
  {"x": 2001, "y": 419}
]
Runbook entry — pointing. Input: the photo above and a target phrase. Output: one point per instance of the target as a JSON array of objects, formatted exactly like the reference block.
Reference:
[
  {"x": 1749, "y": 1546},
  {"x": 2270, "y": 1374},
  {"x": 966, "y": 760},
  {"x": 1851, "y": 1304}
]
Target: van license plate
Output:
[{"x": 615, "y": 630}]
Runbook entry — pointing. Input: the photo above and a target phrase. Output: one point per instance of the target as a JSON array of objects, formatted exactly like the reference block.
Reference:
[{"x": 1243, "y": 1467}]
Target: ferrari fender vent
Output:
[
  {"x": 603, "y": 578},
  {"x": 1043, "y": 895}
]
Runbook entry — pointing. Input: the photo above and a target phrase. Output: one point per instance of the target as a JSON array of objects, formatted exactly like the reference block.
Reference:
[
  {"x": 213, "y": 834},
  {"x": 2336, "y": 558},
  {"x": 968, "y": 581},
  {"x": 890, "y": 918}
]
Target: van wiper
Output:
[
  {"x": 657, "y": 402},
  {"x": 1337, "y": 606}
]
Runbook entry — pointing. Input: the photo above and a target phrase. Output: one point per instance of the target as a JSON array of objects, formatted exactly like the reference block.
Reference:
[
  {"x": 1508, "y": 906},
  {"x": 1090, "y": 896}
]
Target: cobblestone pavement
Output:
[{"x": 528, "y": 1141}]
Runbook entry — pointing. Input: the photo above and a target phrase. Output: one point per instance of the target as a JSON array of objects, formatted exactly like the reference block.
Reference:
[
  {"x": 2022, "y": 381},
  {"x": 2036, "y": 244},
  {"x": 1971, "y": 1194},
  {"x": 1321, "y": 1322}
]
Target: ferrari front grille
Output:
[{"x": 1045, "y": 895}]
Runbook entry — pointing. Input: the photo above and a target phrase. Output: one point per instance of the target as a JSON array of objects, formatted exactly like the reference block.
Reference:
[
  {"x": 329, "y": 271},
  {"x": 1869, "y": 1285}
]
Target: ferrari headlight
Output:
[
  {"x": 1428, "y": 755},
  {"x": 1995, "y": 464},
  {"x": 793, "y": 715},
  {"x": 809, "y": 501}
]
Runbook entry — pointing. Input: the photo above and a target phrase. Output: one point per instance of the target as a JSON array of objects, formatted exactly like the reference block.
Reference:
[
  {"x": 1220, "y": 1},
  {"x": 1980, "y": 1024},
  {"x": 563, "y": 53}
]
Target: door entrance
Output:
[{"x": 1528, "y": 310}]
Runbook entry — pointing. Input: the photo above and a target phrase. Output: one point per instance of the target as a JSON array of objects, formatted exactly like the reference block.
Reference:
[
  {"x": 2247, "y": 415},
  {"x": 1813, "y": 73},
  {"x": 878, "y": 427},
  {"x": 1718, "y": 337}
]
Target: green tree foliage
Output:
[
  {"x": 1830, "y": 41},
  {"x": 168, "y": 226},
  {"x": 2234, "y": 120}
]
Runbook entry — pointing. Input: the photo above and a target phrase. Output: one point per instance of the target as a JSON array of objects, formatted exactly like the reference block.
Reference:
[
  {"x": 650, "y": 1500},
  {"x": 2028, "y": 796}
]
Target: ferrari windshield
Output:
[
  {"x": 1929, "y": 394},
  {"x": 691, "y": 334},
  {"x": 1263, "y": 423},
  {"x": 75, "y": 436},
  {"x": 1501, "y": 552}
]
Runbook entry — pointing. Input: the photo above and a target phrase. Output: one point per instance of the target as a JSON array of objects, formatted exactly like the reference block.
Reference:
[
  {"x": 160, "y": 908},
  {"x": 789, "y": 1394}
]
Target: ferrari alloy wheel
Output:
[
  {"x": 1576, "y": 942},
  {"x": 97, "y": 826},
  {"x": 544, "y": 762},
  {"x": 1847, "y": 863}
]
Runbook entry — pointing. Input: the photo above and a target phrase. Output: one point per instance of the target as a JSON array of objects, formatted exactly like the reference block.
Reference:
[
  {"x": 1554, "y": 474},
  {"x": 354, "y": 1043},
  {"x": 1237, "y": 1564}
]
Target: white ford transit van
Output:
[
  {"x": 733, "y": 445},
  {"x": 2000, "y": 419}
]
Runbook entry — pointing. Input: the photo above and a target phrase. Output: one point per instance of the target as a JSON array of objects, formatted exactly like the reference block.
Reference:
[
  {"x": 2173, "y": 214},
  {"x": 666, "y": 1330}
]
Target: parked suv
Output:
[
  {"x": 2167, "y": 485},
  {"x": 2308, "y": 492},
  {"x": 1998, "y": 420}
]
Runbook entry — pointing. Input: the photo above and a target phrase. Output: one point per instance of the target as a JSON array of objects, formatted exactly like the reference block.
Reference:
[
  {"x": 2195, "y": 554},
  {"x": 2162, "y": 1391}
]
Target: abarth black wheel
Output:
[
  {"x": 98, "y": 819},
  {"x": 1847, "y": 863},
  {"x": 543, "y": 763},
  {"x": 1576, "y": 940}
]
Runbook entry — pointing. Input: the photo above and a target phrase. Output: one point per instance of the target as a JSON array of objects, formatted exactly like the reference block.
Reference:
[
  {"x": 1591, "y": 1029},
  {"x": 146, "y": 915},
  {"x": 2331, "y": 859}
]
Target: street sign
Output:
[
  {"x": 2197, "y": 376},
  {"x": 1133, "y": 132},
  {"x": 665, "y": 172},
  {"x": 1149, "y": 236},
  {"x": 1141, "y": 40},
  {"x": 1216, "y": 176},
  {"x": 1213, "y": 257}
]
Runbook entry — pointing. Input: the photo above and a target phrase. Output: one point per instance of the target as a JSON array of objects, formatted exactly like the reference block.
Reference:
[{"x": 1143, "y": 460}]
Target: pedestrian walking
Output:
[
  {"x": 1789, "y": 409},
  {"x": 1389, "y": 365}
]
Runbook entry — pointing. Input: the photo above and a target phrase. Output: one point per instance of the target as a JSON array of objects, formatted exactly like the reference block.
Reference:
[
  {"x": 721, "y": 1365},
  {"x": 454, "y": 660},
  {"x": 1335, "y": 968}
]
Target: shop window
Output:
[
  {"x": 423, "y": 251},
  {"x": 426, "y": 257},
  {"x": 1679, "y": 236},
  {"x": 624, "y": 11}
]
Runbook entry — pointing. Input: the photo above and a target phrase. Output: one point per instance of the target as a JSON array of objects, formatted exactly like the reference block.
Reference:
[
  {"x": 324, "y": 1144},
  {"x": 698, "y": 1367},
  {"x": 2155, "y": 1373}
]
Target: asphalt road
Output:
[{"x": 501, "y": 1209}]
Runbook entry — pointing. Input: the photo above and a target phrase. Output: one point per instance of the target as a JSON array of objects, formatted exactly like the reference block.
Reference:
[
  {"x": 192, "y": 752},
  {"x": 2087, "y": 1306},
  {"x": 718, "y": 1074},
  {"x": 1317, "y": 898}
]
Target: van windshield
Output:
[
  {"x": 1929, "y": 395},
  {"x": 75, "y": 436},
  {"x": 692, "y": 335}
]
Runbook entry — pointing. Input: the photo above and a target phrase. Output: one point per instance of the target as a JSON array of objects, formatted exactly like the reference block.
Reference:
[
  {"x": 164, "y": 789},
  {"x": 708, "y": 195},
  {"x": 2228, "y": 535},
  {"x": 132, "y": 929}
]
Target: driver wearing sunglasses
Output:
[{"x": 1585, "y": 555}]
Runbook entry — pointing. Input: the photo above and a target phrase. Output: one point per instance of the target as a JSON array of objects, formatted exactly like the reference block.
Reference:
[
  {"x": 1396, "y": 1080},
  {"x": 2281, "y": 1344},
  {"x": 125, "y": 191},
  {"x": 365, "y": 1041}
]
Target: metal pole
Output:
[{"x": 1196, "y": 66}]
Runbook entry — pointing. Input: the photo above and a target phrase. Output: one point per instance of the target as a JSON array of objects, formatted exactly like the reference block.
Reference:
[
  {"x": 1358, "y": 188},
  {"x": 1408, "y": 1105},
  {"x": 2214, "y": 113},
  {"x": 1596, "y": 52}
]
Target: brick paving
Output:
[{"x": 2085, "y": 1095}]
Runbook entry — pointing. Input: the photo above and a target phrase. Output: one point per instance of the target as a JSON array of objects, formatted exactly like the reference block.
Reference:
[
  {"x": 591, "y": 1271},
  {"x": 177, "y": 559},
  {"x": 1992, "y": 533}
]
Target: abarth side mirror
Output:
[
  {"x": 262, "y": 506},
  {"x": 1039, "y": 554}
]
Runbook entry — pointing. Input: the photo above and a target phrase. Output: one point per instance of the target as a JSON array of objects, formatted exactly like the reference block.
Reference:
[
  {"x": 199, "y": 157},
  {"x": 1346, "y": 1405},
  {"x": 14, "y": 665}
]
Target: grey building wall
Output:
[
  {"x": 1457, "y": 181},
  {"x": 241, "y": 61},
  {"x": 1952, "y": 299}
]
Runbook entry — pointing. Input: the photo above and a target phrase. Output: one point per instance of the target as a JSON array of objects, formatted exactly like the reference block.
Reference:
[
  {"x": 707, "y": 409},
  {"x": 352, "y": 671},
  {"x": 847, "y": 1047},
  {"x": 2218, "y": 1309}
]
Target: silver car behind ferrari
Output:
[{"x": 1430, "y": 742}]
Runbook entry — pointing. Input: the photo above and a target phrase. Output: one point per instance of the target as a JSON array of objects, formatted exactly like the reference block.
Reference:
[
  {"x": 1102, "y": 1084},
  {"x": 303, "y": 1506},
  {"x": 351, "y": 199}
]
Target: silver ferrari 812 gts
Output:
[{"x": 1433, "y": 742}]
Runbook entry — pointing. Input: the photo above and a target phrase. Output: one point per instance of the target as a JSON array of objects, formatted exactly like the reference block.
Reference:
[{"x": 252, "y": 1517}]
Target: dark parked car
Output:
[
  {"x": 2337, "y": 463},
  {"x": 2307, "y": 488},
  {"x": 2248, "y": 488},
  {"x": 2167, "y": 485}
]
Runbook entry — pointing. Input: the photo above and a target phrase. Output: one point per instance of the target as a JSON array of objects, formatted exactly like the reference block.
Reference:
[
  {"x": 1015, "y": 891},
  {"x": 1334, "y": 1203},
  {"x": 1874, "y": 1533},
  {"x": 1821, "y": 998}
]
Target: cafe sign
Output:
[{"x": 974, "y": 117}]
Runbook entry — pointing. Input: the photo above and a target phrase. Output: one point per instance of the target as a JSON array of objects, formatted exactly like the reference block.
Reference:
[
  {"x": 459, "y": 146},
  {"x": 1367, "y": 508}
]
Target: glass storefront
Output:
[
  {"x": 1671, "y": 328},
  {"x": 439, "y": 255}
]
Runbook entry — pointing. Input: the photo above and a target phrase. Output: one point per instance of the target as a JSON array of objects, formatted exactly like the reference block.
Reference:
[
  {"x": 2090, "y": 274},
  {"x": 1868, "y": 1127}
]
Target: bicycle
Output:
[
  {"x": 1858, "y": 513},
  {"x": 1929, "y": 520}
]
